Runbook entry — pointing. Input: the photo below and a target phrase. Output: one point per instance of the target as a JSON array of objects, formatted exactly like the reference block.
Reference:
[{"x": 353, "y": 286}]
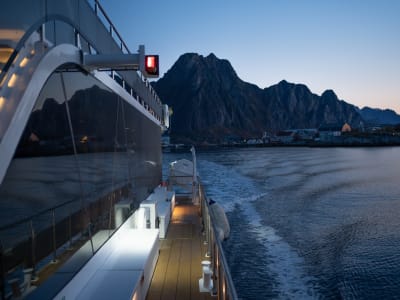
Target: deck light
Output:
[{"x": 151, "y": 65}]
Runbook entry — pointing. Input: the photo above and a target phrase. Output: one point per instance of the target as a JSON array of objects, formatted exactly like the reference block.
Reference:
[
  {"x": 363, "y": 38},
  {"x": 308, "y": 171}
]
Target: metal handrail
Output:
[
  {"x": 112, "y": 29},
  {"x": 42, "y": 212},
  {"x": 230, "y": 287},
  {"x": 98, "y": 7}
]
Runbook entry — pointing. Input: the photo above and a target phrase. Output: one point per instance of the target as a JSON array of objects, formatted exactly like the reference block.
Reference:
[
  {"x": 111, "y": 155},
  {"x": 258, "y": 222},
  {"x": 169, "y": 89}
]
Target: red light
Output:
[
  {"x": 151, "y": 65},
  {"x": 150, "y": 62}
]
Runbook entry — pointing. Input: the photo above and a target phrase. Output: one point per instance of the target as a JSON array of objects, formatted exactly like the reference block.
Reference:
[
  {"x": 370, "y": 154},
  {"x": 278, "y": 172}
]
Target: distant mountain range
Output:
[
  {"x": 211, "y": 103},
  {"x": 379, "y": 116}
]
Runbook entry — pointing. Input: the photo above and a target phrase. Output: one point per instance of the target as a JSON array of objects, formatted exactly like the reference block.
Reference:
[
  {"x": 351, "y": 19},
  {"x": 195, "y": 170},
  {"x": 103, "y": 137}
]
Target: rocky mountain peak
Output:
[
  {"x": 284, "y": 83},
  {"x": 212, "y": 56},
  {"x": 329, "y": 94},
  {"x": 211, "y": 103}
]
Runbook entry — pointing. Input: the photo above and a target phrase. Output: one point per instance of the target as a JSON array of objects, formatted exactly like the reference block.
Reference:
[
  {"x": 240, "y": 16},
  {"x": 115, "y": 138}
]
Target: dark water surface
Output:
[{"x": 309, "y": 223}]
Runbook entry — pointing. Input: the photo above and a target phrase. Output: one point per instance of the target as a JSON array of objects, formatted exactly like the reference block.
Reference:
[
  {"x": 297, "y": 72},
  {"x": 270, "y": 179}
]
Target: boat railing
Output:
[
  {"x": 224, "y": 286},
  {"x": 46, "y": 236},
  {"x": 100, "y": 12},
  {"x": 105, "y": 19}
]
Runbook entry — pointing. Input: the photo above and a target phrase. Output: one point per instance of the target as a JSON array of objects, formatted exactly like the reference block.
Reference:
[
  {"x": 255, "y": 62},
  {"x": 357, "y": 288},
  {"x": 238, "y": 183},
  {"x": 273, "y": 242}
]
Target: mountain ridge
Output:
[
  {"x": 379, "y": 116},
  {"x": 212, "y": 104}
]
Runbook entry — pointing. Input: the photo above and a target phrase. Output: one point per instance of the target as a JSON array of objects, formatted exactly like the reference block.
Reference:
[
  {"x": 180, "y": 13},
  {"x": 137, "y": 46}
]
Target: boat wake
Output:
[{"x": 282, "y": 263}]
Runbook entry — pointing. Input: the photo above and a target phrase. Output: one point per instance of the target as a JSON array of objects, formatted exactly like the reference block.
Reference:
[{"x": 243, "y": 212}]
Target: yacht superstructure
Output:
[{"x": 80, "y": 148}]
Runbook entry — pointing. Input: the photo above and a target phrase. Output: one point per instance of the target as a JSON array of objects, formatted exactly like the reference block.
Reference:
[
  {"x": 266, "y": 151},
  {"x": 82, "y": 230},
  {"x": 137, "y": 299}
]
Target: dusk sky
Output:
[{"x": 350, "y": 46}]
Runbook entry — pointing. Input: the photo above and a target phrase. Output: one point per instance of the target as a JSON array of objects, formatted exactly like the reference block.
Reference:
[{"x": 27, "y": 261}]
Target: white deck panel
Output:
[
  {"x": 113, "y": 284},
  {"x": 128, "y": 253},
  {"x": 133, "y": 250}
]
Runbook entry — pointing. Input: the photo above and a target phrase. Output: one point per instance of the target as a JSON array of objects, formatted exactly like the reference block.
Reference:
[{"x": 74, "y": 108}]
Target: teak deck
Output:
[{"x": 178, "y": 269}]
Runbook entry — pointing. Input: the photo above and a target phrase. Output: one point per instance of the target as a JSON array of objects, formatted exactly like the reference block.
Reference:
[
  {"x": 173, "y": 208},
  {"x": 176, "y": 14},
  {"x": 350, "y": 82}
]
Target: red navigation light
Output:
[{"x": 151, "y": 65}]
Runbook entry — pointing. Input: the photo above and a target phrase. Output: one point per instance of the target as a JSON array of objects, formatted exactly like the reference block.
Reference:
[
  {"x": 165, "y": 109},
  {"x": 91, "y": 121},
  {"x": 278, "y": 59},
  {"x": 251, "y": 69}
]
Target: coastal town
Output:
[{"x": 327, "y": 135}]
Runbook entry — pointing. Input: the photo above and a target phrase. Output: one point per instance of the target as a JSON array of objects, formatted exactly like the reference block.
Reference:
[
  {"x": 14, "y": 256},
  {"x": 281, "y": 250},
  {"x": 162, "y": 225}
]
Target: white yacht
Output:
[{"x": 83, "y": 214}]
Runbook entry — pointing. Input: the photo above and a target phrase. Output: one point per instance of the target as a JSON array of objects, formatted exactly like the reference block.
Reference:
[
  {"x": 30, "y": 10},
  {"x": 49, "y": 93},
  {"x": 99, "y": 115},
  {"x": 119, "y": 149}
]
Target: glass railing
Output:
[{"x": 51, "y": 236}]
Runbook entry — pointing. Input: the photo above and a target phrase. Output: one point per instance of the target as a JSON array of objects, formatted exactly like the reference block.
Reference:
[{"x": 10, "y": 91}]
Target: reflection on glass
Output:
[
  {"x": 103, "y": 155},
  {"x": 5, "y": 53},
  {"x": 8, "y": 40}
]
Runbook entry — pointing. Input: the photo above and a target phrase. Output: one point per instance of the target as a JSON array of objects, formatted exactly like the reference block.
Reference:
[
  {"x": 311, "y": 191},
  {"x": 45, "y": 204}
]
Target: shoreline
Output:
[{"x": 186, "y": 147}]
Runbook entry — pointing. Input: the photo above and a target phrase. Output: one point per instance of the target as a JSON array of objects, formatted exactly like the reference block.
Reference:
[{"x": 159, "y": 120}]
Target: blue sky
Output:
[{"x": 350, "y": 46}]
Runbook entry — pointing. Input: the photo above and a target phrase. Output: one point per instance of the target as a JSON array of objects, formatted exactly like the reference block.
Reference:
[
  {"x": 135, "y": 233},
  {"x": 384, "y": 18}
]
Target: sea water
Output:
[{"x": 308, "y": 223}]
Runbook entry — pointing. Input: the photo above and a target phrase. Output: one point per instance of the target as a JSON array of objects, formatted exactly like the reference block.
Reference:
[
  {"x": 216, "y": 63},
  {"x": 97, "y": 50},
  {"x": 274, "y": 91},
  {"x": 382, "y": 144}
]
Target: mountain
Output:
[
  {"x": 378, "y": 116},
  {"x": 211, "y": 103},
  {"x": 94, "y": 119}
]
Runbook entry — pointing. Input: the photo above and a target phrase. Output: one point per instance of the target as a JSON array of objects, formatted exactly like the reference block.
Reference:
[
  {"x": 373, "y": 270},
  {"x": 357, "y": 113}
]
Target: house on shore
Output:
[{"x": 332, "y": 130}]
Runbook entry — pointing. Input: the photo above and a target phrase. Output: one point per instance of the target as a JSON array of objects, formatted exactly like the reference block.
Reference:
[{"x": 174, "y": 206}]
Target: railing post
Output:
[
  {"x": 78, "y": 43},
  {"x": 42, "y": 33},
  {"x": 90, "y": 236},
  {"x": 33, "y": 245},
  {"x": 70, "y": 230},
  {"x": 216, "y": 274},
  {"x": 110, "y": 214},
  {"x": 3, "y": 279},
  {"x": 210, "y": 235},
  {"x": 54, "y": 237},
  {"x": 207, "y": 229}
]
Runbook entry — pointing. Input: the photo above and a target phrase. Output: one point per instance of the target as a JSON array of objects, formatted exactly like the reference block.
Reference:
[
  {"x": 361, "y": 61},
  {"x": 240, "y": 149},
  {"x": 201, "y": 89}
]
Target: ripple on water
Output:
[{"x": 310, "y": 223}]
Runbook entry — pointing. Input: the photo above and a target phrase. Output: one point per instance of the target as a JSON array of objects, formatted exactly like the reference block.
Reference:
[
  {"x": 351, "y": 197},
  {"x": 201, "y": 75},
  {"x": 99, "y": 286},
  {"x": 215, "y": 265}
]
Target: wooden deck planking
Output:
[
  {"x": 178, "y": 269},
  {"x": 184, "y": 270}
]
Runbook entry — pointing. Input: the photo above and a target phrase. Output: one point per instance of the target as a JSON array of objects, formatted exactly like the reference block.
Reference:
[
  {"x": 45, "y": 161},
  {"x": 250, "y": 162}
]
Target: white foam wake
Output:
[
  {"x": 284, "y": 263},
  {"x": 232, "y": 190}
]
